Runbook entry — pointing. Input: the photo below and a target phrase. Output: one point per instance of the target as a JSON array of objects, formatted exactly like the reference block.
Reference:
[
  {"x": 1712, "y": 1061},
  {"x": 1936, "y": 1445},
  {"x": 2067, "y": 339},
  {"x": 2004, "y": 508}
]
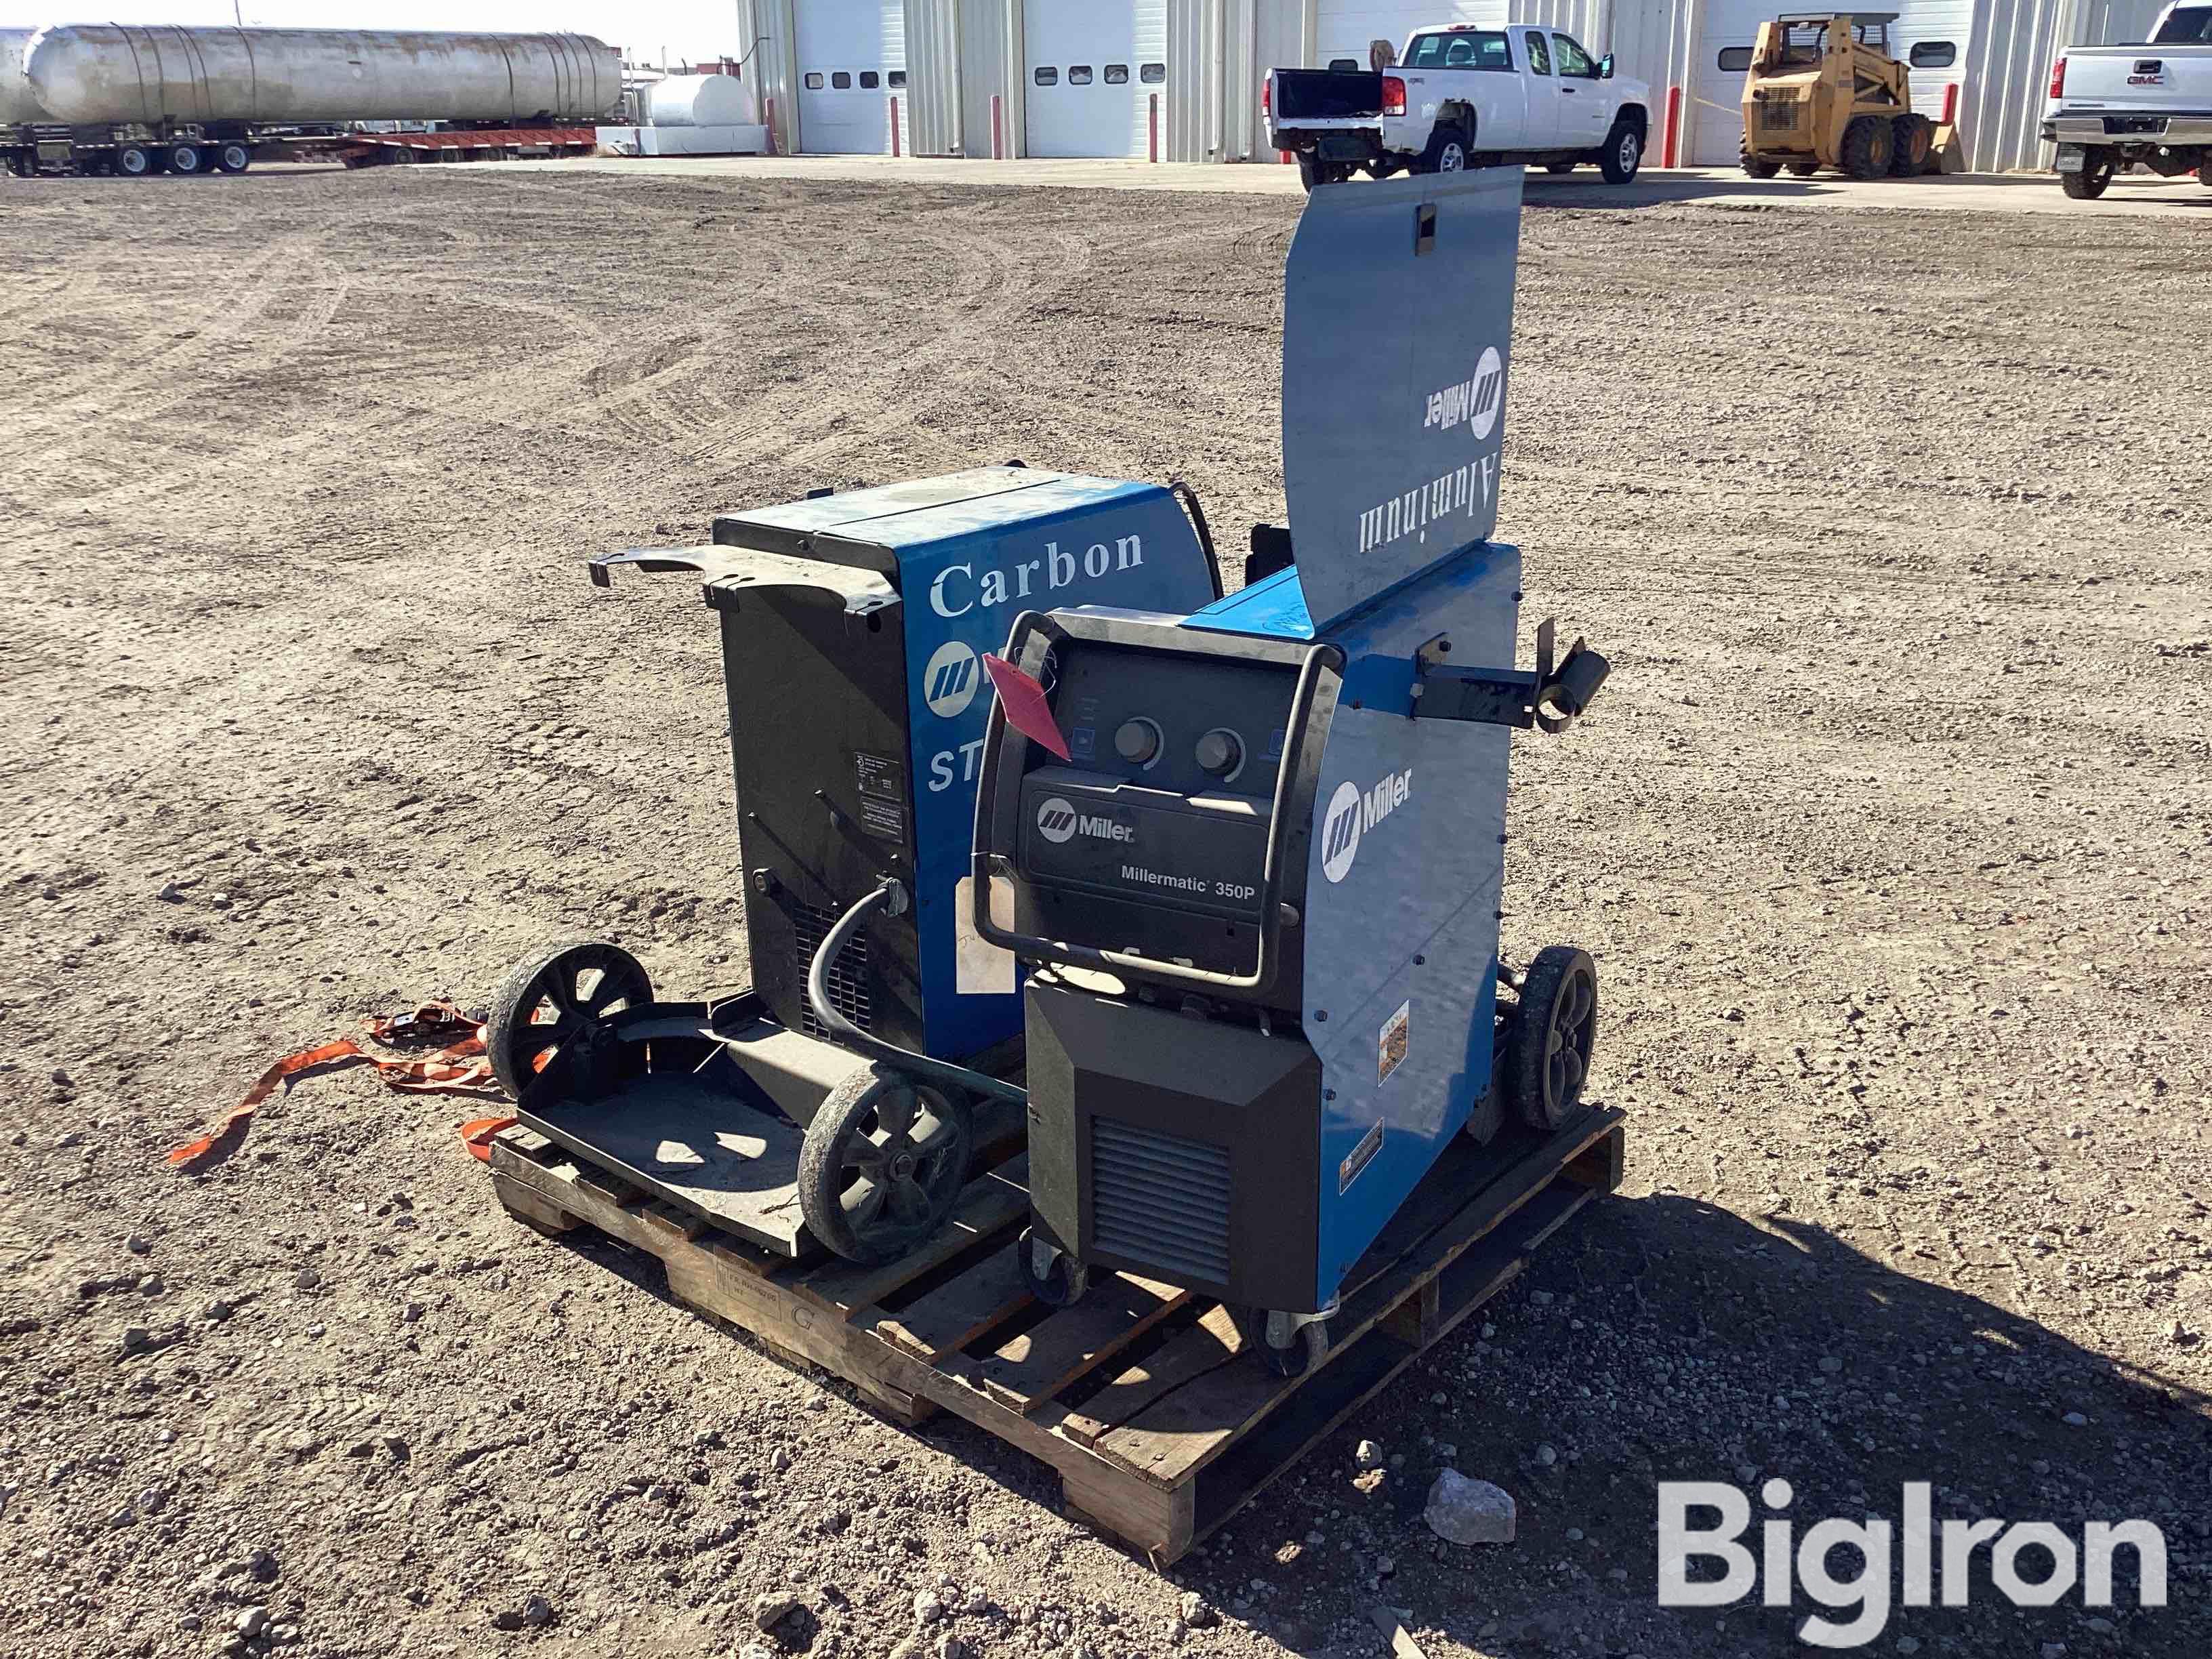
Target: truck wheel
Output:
[
  {"x": 1911, "y": 137},
  {"x": 1312, "y": 170},
  {"x": 2087, "y": 185},
  {"x": 1869, "y": 142},
  {"x": 133, "y": 161},
  {"x": 1621, "y": 155},
  {"x": 234, "y": 158},
  {"x": 23, "y": 166},
  {"x": 1758, "y": 166},
  {"x": 185, "y": 159},
  {"x": 1447, "y": 150}
]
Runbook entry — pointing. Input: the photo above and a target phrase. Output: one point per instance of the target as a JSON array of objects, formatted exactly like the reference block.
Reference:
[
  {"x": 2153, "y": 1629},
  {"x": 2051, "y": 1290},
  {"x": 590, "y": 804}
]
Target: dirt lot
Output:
[{"x": 1891, "y": 836}]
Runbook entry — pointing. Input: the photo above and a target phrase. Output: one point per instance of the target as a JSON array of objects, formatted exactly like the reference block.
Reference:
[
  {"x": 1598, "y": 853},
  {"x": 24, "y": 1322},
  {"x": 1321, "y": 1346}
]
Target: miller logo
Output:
[
  {"x": 1351, "y": 812},
  {"x": 949, "y": 681},
  {"x": 1056, "y": 820},
  {"x": 1475, "y": 403}
]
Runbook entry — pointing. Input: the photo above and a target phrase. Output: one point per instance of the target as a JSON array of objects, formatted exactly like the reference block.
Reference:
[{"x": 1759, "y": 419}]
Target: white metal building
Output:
[{"x": 1180, "y": 79}]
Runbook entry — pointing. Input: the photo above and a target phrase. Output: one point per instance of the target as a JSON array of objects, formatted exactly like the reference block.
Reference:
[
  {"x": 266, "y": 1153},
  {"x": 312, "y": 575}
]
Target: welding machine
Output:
[
  {"x": 851, "y": 625},
  {"x": 1254, "y": 854}
]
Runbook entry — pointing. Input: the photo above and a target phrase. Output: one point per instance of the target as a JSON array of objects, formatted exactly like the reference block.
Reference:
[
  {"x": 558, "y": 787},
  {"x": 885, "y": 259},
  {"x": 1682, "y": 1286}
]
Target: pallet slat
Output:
[
  {"x": 955, "y": 1314},
  {"x": 1074, "y": 1341}
]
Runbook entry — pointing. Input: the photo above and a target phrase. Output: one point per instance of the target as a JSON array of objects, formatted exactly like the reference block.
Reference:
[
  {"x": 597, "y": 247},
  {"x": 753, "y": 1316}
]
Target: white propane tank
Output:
[
  {"x": 17, "y": 107},
  {"x": 697, "y": 100}
]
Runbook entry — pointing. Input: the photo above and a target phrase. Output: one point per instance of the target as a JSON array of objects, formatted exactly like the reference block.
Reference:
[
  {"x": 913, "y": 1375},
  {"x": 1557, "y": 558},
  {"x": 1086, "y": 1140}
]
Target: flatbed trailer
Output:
[{"x": 137, "y": 152}]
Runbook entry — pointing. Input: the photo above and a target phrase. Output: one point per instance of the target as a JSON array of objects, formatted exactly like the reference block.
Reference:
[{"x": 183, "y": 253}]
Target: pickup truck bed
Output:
[{"x": 2147, "y": 104}]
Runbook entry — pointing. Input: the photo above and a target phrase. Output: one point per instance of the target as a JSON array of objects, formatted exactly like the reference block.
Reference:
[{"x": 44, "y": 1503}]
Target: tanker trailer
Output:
[{"x": 139, "y": 100}]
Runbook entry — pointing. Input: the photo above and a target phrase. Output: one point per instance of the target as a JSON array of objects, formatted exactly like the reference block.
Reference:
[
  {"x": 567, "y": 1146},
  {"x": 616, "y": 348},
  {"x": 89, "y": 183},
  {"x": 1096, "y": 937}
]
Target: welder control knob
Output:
[
  {"x": 1220, "y": 752},
  {"x": 1137, "y": 741}
]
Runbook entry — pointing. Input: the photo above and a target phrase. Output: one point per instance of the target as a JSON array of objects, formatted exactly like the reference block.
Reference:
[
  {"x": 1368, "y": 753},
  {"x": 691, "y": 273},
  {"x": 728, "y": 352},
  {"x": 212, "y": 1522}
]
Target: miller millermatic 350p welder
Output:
[
  {"x": 1255, "y": 853},
  {"x": 851, "y": 626}
]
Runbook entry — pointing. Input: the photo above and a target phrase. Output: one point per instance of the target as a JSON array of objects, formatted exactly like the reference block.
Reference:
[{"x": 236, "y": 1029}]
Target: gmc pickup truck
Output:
[
  {"x": 2114, "y": 107},
  {"x": 1458, "y": 97}
]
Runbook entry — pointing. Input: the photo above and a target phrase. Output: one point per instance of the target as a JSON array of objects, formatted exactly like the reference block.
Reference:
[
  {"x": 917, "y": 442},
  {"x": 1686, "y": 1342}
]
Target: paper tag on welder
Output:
[
  {"x": 979, "y": 967},
  {"x": 1390, "y": 1051}
]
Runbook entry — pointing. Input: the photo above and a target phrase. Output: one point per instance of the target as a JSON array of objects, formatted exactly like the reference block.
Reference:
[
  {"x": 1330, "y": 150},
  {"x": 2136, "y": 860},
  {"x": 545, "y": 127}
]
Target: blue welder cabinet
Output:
[{"x": 1262, "y": 898}]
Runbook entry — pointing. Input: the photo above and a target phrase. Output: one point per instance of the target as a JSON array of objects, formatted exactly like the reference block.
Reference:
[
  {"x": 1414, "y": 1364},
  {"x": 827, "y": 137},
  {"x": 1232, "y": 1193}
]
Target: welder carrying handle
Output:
[
  {"x": 1319, "y": 662},
  {"x": 891, "y": 892}
]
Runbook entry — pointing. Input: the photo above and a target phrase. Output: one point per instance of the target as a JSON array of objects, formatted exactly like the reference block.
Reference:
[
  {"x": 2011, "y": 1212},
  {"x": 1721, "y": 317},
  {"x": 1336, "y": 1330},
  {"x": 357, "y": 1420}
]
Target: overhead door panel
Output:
[
  {"x": 1345, "y": 28},
  {"x": 852, "y": 61},
  {"x": 1714, "y": 118},
  {"x": 1090, "y": 71}
]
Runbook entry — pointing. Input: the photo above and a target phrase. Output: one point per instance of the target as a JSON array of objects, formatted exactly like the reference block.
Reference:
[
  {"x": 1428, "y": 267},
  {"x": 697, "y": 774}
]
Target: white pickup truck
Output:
[
  {"x": 1462, "y": 96},
  {"x": 2113, "y": 107}
]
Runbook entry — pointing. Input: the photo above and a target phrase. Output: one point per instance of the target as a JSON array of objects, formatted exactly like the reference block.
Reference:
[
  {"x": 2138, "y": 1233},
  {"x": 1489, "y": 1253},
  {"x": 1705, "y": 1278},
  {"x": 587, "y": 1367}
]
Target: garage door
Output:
[
  {"x": 1715, "y": 117},
  {"x": 852, "y": 59},
  {"x": 1345, "y": 27},
  {"x": 1932, "y": 36},
  {"x": 1092, "y": 67}
]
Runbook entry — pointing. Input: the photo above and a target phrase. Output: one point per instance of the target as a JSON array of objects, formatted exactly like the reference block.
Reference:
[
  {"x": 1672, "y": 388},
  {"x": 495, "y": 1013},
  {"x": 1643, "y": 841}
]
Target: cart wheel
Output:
[
  {"x": 1059, "y": 1285},
  {"x": 1552, "y": 1034},
  {"x": 560, "y": 997},
  {"x": 1308, "y": 1344},
  {"x": 882, "y": 1162}
]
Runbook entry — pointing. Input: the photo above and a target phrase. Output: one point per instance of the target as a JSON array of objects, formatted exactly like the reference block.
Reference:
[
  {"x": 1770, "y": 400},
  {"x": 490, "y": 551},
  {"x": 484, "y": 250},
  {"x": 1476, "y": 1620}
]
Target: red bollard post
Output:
[
  {"x": 1951, "y": 105},
  {"x": 1667, "y": 152}
]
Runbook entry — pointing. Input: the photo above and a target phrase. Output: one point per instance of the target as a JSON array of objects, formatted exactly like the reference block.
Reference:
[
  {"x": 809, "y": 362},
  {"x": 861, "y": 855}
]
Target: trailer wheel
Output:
[
  {"x": 234, "y": 158},
  {"x": 1554, "y": 1029},
  {"x": 133, "y": 161},
  {"x": 1622, "y": 154},
  {"x": 1912, "y": 136},
  {"x": 559, "y": 999},
  {"x": 22, "y": 166},
  {"x": 883, "y": 1162},
  {"x": 2090, "y": 183},
  {"x": 185, "y": 159},
  {"x": 1868, "y": 143}
]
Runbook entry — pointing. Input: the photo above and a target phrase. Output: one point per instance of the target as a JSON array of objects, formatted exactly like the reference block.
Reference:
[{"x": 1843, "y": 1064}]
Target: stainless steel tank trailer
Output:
[{"x": 1244, "y": 855}]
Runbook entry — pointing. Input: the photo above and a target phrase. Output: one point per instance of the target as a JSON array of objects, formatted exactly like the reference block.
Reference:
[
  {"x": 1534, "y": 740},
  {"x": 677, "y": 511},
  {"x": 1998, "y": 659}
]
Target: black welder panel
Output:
[
  {"x": 824, "y": 802},
  {"x": 1182, "y": 1149}
]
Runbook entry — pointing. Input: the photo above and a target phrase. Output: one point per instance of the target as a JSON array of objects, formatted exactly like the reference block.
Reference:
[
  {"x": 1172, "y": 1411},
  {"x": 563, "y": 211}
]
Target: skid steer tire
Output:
[
  {"x": 1912, "y": 139},
  {"x": 1869, "y": 142},
  {"x": 1758, "y": 166},
  {"x": 1804, "y": 169}
]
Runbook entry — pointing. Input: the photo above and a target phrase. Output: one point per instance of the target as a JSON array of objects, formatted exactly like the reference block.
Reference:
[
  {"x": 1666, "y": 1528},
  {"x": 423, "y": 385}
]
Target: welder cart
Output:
[{"x": 839, "y": 1095}]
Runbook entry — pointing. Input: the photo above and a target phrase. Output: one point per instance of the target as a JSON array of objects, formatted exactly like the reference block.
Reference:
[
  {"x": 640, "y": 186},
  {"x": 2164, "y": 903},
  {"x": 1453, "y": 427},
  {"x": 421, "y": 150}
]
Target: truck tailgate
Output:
[
  {"x": 1302, "y": 95},
  {"x": 2149, "y": 80}
]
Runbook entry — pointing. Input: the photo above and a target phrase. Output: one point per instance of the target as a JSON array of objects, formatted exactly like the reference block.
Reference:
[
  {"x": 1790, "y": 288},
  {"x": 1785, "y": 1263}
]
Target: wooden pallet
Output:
[{"x": 1141, "y": 1396}]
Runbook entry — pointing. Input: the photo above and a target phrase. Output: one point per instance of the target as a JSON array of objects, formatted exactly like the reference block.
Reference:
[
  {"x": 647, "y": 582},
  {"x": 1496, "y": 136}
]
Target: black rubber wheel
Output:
[
  {"x": 883, "y": 1162},
  {"x": 1557, "y": 167},
  {"x": 1621, "y": 156},
  {"x": 1912, "y": 138},
  {"x": 1448, "y": 147},
  {"x": 1553, "y": 1031},
  {"x": 133, "y": 161},
  {"x": 233, "y": 157},
  {"x": 1060, "y": 1286},
  {"x": 2096, "y": 174},
  {"x": 185, "y": 159},
  {"x": 1804, "y": 169},
  {"x": 554, "y": 999},
  {"x": 1758, "y": 166},
  {"x": 1304, "y": 1354},
  {"x": 1869, "y": 142}
]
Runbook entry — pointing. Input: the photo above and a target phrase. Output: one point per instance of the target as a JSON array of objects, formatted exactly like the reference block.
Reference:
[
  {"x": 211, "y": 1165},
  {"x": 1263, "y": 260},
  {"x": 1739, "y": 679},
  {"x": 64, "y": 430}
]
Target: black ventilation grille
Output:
[
  {"x": 1160, "y": 1200},
  {"x": 848, "y": 974}
]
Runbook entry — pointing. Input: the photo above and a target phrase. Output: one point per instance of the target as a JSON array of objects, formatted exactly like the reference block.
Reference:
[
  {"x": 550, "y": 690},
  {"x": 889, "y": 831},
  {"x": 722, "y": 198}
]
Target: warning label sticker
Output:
[
  {"x": 1391, "y": 1052},
  {"x": 881, "y": 782}
]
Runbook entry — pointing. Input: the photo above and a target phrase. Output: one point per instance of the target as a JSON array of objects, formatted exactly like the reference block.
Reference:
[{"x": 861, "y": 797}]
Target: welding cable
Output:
[{"x": 888, "y": 891}]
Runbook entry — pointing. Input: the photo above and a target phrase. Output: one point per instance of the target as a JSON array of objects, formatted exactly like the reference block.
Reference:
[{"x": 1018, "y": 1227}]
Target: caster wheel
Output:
[
  {"x": 1553, "y": 1032},
  {"x": 1308, "y": 1344},
  {"x": 1060, "y": 1282},
  {"x": 556, "y": 999},
  {"x": 882, "y": 1163}
]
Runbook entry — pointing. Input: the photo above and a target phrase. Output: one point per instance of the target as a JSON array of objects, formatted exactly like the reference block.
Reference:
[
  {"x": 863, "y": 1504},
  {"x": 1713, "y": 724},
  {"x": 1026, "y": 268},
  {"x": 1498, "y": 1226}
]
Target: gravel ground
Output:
[{"x": 1890, "y": 837}]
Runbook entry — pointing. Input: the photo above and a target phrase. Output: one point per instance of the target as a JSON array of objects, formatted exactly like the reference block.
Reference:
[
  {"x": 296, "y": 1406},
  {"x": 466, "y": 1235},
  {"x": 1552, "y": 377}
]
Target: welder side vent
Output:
[
  {"x": 848, "y": 974},
  {"x": 1160, "y": 1200}
]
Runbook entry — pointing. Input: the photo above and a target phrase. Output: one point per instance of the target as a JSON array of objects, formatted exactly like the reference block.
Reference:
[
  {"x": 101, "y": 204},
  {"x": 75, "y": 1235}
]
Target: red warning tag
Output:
[{"x": 1023, "y": 700}]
